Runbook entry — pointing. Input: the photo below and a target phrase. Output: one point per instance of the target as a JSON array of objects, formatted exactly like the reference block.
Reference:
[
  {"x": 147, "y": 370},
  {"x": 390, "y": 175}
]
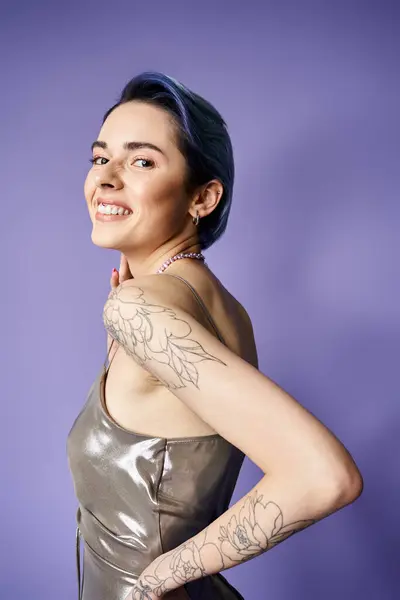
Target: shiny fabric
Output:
[{"x": 140, "y": 496}]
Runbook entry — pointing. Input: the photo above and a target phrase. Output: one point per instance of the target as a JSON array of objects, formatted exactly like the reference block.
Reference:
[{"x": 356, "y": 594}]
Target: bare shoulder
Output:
[{"x": 229, "y": 315}]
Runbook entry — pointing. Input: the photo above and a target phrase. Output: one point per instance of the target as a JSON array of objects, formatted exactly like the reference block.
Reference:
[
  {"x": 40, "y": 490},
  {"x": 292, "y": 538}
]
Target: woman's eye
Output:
[
  {"x": 95, "y": 159},
  {"x": 145, "y": 162},
  {"x": 150, "y": 163}
]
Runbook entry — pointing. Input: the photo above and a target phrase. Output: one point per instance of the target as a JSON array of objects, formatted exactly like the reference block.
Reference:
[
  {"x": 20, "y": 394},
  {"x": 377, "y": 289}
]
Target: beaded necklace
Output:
[{"x": 169, "y": 261}]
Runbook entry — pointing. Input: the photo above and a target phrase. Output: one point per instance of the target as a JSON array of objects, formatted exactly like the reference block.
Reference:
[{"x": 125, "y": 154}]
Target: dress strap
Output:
[
  {"x": 107, "y": 362},
  {"x": 203, "y": 306}
]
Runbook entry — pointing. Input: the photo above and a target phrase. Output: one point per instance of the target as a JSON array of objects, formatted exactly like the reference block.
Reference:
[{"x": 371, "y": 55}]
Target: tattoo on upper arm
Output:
[{"x": 132, "y": 322}]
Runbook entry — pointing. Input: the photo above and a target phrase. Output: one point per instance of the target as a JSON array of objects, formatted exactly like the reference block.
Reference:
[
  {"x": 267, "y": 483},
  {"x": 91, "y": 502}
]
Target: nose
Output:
[{"x": 107, "y": 178}]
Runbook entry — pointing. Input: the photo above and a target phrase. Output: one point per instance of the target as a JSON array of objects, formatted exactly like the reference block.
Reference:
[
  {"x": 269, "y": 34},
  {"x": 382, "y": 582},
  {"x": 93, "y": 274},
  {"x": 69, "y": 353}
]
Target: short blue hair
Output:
[{"x": 203, "y": 139}]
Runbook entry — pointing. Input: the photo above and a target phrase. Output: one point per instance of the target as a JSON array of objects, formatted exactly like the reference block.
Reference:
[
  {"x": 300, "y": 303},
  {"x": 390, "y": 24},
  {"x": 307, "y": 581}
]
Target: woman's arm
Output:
[
  {"x": 272, "y": 511},
  {"x": 308, "y": 472}
]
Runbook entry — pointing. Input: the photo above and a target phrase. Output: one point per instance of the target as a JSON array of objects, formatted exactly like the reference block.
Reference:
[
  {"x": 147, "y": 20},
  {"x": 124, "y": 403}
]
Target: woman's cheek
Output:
[{"x": 89, "y": 188}]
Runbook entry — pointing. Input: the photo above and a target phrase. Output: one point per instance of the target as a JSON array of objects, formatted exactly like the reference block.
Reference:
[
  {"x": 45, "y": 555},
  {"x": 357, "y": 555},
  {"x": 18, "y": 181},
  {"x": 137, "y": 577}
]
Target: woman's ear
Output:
[{"x": 207, "y": 199}]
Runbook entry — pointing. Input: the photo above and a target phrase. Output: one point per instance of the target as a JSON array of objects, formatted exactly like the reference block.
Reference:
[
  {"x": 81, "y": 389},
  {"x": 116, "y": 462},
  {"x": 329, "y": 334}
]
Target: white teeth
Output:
[{"x": 110, "y": 209}]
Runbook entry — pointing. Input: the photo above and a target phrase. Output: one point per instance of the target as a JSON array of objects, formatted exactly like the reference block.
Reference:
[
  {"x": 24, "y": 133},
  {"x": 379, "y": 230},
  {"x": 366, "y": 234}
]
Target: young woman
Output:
[{"x": 157, "y": 448}]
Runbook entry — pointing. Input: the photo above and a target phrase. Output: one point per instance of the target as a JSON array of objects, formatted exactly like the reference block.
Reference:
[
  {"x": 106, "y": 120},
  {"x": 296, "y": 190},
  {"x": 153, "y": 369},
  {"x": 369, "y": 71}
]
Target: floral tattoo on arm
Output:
[
  {"x": 257, "y": 528},
  {"x": 132, "y": 322}
]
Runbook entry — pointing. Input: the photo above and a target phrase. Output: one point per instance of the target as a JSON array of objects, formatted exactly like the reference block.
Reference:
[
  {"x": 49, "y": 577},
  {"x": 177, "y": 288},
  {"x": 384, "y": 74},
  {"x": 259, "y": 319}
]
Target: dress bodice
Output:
[{"x": 140, "y": 496}]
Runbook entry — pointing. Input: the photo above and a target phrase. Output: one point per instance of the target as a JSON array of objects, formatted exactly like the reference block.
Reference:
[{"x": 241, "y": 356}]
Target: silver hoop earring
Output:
[{"x": 196, "y": 219}]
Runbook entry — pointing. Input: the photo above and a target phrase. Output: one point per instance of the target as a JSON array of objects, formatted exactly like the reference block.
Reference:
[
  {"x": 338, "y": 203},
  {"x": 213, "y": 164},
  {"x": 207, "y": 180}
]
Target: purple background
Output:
[{"x": 310, "y": 91}]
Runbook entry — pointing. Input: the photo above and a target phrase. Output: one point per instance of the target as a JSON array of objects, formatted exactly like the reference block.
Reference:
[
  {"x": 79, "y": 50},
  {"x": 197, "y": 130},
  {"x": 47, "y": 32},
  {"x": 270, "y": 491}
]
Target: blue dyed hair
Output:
[{"x": 202, "y": 138}]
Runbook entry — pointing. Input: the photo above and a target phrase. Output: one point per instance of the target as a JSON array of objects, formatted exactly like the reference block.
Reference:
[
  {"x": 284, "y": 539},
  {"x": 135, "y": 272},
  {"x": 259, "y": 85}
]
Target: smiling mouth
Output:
[
  {"x": 112, "y": 209},
  {"x": 109, "y": 213}
]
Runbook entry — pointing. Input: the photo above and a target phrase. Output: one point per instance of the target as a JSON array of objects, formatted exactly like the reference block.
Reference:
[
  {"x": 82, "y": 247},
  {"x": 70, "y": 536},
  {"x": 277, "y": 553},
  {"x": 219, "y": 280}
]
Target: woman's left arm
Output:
[{"x": 309, "y": 474}]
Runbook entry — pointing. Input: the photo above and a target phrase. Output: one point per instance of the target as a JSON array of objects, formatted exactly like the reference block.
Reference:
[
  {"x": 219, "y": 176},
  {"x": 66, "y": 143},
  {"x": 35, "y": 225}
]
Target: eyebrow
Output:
[{"x": 128, "y": 146}]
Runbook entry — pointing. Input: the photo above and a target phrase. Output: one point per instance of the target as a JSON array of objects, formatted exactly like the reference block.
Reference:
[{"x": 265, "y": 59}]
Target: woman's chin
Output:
[{"x": 104, "y": 240}]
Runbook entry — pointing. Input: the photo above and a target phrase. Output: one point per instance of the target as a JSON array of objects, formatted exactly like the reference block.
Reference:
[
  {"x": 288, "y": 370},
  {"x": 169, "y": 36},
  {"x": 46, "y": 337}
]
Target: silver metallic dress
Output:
[{"x": 140, "y": 496}]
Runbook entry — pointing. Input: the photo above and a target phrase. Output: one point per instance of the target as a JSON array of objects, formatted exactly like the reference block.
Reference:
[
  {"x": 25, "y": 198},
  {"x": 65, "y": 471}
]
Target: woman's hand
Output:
[
  {"x": 118, "y": 277},
  {"x": 141, "y": 594},
  {"x": 123, "y": 274},
  {"x": 148, "y": 587}
]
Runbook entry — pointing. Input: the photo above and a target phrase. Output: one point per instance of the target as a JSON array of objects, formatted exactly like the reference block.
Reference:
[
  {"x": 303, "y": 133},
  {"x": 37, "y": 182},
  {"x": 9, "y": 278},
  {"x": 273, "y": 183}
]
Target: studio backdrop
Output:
[{"x": 310, "y": 92}]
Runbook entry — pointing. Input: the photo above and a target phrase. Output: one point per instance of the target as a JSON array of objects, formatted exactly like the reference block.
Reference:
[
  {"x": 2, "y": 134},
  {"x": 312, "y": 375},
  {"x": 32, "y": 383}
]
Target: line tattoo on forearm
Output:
[
  {"x": 132, "y": 322},
  {"x": 257, "y": 528}
]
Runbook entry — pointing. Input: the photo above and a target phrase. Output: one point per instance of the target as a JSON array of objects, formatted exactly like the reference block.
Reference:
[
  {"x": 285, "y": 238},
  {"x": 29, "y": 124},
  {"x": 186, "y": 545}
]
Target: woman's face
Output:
[{"x": 150, "y": 182}]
